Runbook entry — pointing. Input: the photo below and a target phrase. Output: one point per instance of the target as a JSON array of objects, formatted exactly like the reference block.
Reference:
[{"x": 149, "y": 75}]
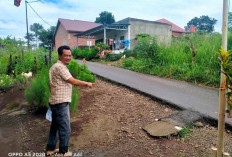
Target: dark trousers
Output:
[{"x": 60, "y": 127}]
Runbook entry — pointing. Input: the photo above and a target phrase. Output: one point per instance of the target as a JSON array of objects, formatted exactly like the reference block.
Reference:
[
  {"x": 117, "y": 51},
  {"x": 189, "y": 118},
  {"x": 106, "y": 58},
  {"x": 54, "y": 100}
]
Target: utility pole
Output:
[
  {"x": 222, "y": 95},
  {"x": 27, "y": 25}
]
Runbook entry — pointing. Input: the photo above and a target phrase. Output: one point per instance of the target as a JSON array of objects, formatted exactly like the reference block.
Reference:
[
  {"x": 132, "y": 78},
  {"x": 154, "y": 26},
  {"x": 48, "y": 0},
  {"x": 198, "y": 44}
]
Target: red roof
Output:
[
  {"x": 77, "y": 25},
  {"x": 175, "y": 28}
]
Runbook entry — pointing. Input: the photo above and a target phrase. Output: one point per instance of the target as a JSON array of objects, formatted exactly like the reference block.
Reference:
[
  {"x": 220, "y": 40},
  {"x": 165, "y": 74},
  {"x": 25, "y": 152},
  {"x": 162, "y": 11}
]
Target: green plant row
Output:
[{"x": 38, "y": 93}]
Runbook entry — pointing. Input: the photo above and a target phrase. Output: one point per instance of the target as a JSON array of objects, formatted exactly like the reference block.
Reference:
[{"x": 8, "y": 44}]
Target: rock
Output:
[
  {"x": 161, "y": 128},
  {"x": 199, "y": 124}
]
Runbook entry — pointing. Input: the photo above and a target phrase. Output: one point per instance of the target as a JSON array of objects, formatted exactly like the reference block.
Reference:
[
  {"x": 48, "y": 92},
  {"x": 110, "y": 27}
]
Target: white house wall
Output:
[{"x": 161, "y": 31}]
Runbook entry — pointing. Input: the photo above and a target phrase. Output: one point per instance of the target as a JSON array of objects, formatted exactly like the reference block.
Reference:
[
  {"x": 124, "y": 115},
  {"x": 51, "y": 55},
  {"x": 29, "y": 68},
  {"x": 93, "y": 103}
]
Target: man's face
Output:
[{"x": 66, "y": 57}]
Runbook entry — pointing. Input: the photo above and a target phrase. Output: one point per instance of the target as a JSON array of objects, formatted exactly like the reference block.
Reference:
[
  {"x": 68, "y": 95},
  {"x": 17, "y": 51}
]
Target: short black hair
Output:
[{"x": 61, "y": 48}]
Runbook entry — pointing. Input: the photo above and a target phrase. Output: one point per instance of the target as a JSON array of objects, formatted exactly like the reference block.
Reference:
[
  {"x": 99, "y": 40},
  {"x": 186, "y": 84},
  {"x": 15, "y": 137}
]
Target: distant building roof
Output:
[
  {"x": 175, "y": 28},
  {"x": 77, "y": 25}
]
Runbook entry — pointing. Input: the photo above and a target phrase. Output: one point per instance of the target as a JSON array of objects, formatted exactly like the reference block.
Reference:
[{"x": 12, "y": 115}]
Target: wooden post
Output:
[
  {"x": 213, "y": 152},
  {"x": 27, "y": 26},
  {"x": 222, "y": 97},
  {"x": 46, "y": 60},
  {"x": 50, "y": 55},
  {"x": 104, "y": 34},
  {"x": 226, "y": 155}
]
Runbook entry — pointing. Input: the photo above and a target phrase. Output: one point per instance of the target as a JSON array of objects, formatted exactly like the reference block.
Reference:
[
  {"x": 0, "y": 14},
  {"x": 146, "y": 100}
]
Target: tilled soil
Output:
[{"x": 109, "y": 123}]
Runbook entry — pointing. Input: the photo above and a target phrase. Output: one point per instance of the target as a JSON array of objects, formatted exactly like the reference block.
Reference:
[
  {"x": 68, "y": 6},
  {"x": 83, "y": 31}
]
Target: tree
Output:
[
  {"x": 105, "y": 18},
  {"x": 30, "y": 36},
  {"x": 37, "y": 29},
  {"x": 204, "y": 23},
  {"x": 46, "y": 37}
]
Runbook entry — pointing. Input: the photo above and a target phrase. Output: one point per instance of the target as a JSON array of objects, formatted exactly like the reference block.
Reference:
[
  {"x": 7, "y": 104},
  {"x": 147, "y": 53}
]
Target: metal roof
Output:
[
  {"x": 175, "y": 28},
  {"x": 98, "y": 29}
]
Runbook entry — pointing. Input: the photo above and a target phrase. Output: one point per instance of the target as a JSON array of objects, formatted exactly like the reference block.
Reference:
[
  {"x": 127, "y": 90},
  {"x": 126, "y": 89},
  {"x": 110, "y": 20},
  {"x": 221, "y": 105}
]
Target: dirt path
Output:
[{"x": 108, "y": 123}]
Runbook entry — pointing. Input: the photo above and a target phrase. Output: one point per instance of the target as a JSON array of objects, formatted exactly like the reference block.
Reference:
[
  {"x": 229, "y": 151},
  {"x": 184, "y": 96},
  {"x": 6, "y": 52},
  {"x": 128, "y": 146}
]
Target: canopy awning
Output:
[{"x": 101, "y": 28}]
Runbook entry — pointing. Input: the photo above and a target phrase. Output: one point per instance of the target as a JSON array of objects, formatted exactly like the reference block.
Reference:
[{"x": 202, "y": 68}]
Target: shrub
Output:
[
  {"x": 102, "y": 46},
  {"x": 20, "y": 81},
  {"x": 6, "y": 82},
  {"x": 80, "y": 72},
  {"x": 229, "y": 44},
  {"x": 129, "y": 53},
  {"x": 142, "y": 36},
  {"x": 126, "y": 63},
  {"x": 77, "y": 53},
  {"x": 75, "y": 99},
  {"x": 147, "y": 48},
  {"x": 113, "y": 57},
  {"x": 38, "y": 92},
  {"x": 74, "y": 68},
  {"x": 85, "y": 74},
  {"x": 4, "y": 61}
]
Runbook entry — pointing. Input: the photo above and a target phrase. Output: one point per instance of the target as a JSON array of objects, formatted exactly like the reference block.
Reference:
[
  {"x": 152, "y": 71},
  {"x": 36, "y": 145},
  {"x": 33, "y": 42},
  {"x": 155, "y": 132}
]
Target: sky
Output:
[{"x": 180, "y": 12}]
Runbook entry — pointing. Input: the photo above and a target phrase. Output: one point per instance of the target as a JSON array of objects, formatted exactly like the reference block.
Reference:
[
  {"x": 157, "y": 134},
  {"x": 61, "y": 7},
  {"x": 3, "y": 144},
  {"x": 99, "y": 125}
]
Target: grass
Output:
[
  {"x": 185, "y": 131},
  {"x": 12, "y": 106},
  {"x": 175, "y": 61}
]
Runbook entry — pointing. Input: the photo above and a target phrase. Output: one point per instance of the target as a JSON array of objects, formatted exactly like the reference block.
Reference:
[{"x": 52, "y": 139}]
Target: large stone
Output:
[
  {"x": 161, "y": 128},
  {"x": 172, "y": 124}
]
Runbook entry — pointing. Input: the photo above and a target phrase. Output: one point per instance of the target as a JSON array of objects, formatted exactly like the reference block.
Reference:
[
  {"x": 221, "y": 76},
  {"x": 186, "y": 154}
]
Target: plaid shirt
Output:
[{"x": 60, "y": 89}]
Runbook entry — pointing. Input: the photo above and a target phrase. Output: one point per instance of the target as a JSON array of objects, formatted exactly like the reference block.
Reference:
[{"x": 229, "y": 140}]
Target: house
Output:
[
  {"x": 176, "y": 30},
  {"x": 122, "y": 34},
  {"x": 66, "y": 29}
]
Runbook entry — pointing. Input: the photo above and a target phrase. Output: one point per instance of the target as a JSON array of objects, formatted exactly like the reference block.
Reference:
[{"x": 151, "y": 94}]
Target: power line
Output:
[{"x": 37, "y": 13}]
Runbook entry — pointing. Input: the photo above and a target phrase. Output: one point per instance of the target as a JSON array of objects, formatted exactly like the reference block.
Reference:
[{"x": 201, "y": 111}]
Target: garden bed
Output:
[{"x": 109, "y": 122}]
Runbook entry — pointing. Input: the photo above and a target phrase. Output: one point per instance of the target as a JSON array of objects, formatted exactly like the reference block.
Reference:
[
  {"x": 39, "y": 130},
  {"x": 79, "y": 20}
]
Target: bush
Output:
[
  {"x": 127, "y": 63},
  {"x": 130, "y": 53},
  {"x": 6, "y": 82},
  {"x": 38, "y": 92},
  {"x": 20, "y": 81},
  {"x": 85, "y": 53},
  {"x": 147, "y": 48},
  {"x": 80, "y": 72},
  {"x": 113, "y": 57},
  {"x": 75, "y": 99},
  {"x": 85, "y": 74},
  {"x": 229, "y": 44},
  {"x": 77, "y": 53}
]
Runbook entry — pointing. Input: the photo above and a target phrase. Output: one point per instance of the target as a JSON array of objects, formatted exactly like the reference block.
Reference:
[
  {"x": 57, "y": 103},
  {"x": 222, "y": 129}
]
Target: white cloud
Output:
[{"x": 13, "y": 20}]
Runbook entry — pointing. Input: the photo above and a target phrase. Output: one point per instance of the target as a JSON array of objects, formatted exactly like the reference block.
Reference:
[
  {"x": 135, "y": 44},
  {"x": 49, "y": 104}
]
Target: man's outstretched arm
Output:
[{"x": 79, "y": 82}]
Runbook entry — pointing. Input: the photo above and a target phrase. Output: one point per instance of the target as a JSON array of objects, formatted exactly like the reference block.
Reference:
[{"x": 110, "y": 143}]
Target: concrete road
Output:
[{"x": 182, "y": 94}]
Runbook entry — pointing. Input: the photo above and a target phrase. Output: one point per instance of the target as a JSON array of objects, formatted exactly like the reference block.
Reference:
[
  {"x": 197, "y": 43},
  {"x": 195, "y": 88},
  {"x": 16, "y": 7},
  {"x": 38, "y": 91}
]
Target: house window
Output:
[
  {"x": 122, "y": 38},
  {"x": 89, "y": 43},
  {"x": 64, "y": 42}
]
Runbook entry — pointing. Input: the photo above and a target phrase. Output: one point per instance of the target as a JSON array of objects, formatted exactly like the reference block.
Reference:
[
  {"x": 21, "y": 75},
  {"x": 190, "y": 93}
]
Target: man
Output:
[{"x": 60, "y": 84}]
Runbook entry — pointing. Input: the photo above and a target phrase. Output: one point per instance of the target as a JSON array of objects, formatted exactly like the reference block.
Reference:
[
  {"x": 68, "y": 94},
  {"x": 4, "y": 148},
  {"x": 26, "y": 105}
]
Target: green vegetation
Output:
[
  {"x": 176, "y": 61},
  {"x": 12, "y": 106},
  {"x": 14, "y": 61},
  {"x": 113, "y": 57},
  {"x": 6, "y": 82},
  {"x": 184, "y": 132},
  {"x": 80, "y": 72},
  {"x": 105, "y": 17},
  {"x": 225, "y": 61},
  {"x": 37, "y": 92},
  {"x": 89, "y": 54}
]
